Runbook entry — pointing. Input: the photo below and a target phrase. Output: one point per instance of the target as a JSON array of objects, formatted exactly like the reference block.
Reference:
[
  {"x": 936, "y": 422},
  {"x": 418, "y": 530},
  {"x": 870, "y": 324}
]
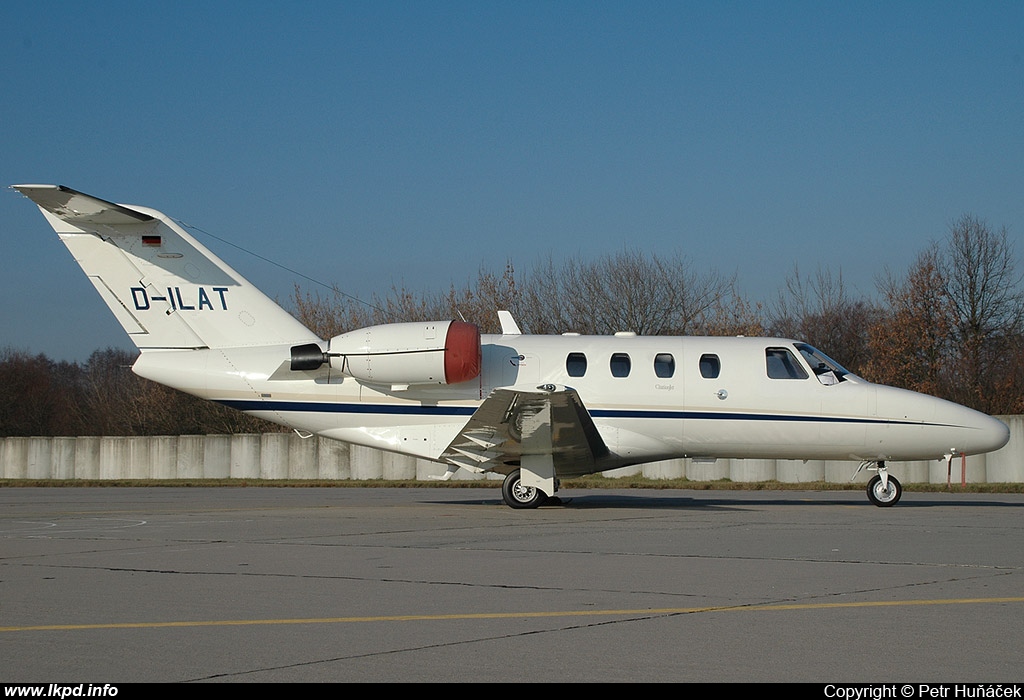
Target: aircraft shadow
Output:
[{"x": 625, "y": 501}]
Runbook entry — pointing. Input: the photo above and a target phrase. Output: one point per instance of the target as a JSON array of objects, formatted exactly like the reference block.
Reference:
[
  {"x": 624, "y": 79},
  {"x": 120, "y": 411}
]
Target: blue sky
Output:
[{"x": 379, "y": 143}]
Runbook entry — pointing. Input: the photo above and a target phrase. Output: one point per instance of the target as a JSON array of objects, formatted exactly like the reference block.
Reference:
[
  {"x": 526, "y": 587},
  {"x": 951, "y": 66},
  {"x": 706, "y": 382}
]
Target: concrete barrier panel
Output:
[
  {"x": 217, "y": 457},
  {"x": 428, "y": 470},
  {"x": 140, "y": 461},
  {"x": 87, "y": 457},
  {"x": 39, "y": 458},
  {"x": 750, "y": 470},
  {"x": 367, "y": 463},
  {"x": 333, "y": 459},
  {"x": 796, "y": 471},
  {"x": 623, "y": 472},
  {"x": 915, "y": 472},
  {"x": 189, "y": 464},
  {"x": 164, "y": 455},
  {"x": 396, "y": 467},
  {"x": 113, "y": 457},
  {"x": 64, "y": 457},
  {"x": 15, "y": 456},
  {"x": 245, "y": 456},
  {"x": 977, "y": 469},
  {"x": 665, "y": 469},
  {"x": 302, "y": 458},
  {"x": 274, "y": 456},
  {"x": 837, "y": 471},
  {"x": 1007, "y": 465},
  {"x": 708, "y": 471}
]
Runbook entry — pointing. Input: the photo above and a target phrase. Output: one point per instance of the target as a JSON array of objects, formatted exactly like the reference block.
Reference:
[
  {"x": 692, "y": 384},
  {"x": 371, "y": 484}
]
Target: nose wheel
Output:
[
  {"x": 884, "y": 494},
  {"x": 883, "y": 490}
]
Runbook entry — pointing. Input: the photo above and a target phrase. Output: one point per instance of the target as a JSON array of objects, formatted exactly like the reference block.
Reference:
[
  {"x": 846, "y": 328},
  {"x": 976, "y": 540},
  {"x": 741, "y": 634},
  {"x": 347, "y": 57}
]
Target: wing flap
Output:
[{"x": 505, "y": 428}]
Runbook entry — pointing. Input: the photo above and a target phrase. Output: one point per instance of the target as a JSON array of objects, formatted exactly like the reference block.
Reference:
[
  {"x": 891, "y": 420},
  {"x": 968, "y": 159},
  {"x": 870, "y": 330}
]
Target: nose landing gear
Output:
[{"x": 883, "y": 490}]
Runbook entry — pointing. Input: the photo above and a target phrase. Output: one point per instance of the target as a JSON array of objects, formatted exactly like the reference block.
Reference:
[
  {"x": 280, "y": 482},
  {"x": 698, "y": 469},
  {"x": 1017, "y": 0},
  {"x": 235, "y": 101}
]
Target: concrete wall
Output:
[{"x": 287, "y": 456}]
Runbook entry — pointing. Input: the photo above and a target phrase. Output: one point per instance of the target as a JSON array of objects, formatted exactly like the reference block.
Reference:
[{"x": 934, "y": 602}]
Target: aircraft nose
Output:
[
  {"x": 945, "y": 425},
  {"x": 992, "y": 433},
  {"x": 980, "y": 432}
]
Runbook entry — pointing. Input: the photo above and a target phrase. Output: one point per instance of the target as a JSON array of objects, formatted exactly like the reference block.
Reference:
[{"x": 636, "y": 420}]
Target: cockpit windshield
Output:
[{"x": 827, "y": 370}]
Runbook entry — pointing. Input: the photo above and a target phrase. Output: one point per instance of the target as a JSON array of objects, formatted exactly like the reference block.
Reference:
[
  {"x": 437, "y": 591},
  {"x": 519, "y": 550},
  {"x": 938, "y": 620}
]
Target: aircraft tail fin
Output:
[{"x": 165, "y": 288}]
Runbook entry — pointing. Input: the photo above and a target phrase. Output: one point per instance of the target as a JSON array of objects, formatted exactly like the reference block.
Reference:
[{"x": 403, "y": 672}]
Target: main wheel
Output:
[
  {"x": 516, "y": 495},
  {"x": 883, "y": 497},
  {"x": 515, "y": 425}
]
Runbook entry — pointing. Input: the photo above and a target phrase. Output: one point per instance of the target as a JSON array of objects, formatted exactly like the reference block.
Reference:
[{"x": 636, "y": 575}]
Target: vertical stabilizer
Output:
[{"x": 165, "y": 288}]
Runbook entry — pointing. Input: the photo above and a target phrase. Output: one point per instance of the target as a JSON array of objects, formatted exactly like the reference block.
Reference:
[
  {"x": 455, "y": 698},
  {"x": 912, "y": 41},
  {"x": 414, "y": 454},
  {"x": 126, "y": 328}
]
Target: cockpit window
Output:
[
  {"x": 782, "y": 364},
  {"x": 827, "y": 370}
]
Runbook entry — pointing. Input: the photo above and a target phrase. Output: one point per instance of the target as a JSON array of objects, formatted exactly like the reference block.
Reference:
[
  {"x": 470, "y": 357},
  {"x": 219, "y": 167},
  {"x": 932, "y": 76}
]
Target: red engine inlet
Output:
[
  {"x": 461, "y": 352},
  {"x": 432, "y": 352}
]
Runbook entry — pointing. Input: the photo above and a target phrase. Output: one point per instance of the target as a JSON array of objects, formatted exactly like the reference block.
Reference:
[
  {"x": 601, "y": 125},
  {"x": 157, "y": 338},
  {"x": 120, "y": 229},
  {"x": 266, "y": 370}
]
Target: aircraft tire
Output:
[
  {"x": 518, "y": 496},
  {"x": 884, "y": 498},
  {"x": 515, "y": 426}
]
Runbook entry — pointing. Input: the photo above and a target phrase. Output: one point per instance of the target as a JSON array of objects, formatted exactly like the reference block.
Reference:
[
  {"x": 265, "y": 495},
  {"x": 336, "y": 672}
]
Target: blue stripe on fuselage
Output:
[
  {"x": 428, "y": 410},
  {"x": 358, "y": 408}
]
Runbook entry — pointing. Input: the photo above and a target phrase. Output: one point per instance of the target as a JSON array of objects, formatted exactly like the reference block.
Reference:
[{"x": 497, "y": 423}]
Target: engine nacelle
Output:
[{"x": 435, "y": 352}]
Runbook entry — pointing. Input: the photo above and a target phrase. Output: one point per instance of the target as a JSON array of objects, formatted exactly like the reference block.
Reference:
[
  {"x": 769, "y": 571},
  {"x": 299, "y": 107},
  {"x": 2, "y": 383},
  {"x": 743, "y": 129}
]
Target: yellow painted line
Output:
[{"x": 511, "y": 615}]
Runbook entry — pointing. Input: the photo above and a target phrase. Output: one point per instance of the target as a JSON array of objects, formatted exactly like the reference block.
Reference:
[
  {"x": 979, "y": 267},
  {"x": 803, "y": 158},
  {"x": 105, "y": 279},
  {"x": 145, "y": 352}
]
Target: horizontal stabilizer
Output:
[{"x": 79, "y": 208}]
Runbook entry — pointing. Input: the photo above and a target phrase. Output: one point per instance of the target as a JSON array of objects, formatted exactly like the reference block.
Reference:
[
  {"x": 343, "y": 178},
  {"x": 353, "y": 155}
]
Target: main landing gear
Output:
[
  {"x": 883, "y": 490},
  {"x": 518, "y": 495}
]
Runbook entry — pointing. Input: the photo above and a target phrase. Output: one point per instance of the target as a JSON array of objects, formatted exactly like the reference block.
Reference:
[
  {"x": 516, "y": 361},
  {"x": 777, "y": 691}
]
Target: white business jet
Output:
[{"x": 534, "y": 408}]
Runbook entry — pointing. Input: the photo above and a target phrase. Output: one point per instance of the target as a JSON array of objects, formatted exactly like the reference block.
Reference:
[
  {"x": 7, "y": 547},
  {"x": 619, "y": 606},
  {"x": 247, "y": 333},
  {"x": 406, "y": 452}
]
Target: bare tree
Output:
[
  {"x": 628, "y": 291},
  {"x": 984, "y": 289},
  {"x": 821, "y": 311},
  {"x": 329, "y": 316},
  {"x": 37, "y": 395},
  {"x": 476, "y": 302},
  {"x": 911, "y": 341},
  {"x": 952, "y": 326},
  {"x": 116, "y": 401},
  {"x": 733, "y": 315}
]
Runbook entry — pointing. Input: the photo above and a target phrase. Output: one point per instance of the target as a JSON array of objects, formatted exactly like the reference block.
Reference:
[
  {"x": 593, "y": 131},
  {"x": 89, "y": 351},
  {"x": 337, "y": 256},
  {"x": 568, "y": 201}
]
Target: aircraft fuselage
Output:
[{"x": 651, "y": 398}]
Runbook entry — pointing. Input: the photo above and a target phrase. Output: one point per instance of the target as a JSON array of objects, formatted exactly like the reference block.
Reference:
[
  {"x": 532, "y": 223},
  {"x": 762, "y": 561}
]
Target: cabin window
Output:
[
  {"x": 710, "y": 366},
  {"x": 576, "y": 364},
  {"x": 783, "y": 365},
  {"x": 664, "y": 365},
  {"x": 620, "y": 364}
]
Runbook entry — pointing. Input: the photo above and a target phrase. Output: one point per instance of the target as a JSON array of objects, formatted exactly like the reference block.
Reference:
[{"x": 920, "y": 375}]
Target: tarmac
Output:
[{"x": 128, "y": 585}]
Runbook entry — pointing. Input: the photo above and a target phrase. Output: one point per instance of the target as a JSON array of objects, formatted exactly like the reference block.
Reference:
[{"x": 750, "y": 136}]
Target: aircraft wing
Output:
[{"x": 527, "y": 426}]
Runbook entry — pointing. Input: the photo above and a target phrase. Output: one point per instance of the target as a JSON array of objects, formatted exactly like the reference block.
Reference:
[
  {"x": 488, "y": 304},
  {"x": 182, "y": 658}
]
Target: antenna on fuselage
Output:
[{"x": 508, "y": 323}]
